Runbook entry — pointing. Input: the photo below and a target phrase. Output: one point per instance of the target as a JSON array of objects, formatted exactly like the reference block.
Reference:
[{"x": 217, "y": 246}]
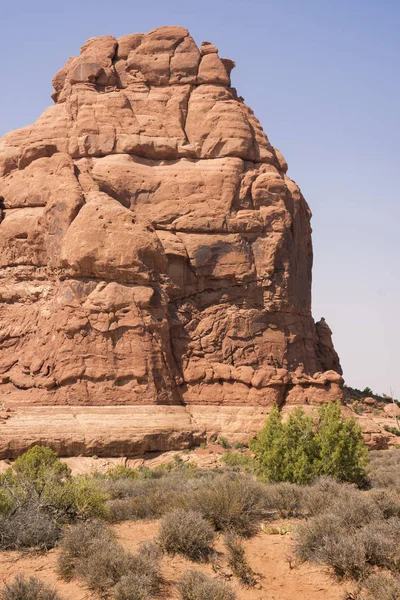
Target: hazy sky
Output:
[{"x": 323, "y": 78}]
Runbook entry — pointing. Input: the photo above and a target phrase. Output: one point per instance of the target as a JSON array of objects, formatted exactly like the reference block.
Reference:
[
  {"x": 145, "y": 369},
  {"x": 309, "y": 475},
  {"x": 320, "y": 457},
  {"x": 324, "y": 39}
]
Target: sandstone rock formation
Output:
[{"x": 153, "y": 249}]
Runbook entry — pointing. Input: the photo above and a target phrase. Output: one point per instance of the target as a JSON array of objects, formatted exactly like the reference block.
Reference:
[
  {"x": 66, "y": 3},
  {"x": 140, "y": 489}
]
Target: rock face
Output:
[{"x": 153, "y": 249}]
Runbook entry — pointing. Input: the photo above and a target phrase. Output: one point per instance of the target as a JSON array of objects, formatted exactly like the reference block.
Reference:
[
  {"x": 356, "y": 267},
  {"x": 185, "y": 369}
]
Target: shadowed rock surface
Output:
[{"x": 153, "y": 251}]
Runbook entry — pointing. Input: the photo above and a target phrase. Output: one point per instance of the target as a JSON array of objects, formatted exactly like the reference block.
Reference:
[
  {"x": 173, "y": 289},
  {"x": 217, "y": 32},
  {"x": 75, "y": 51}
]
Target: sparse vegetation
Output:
[
  {"x": 28, "y": 527},
  {"x": 237, "y": 559},
  {"x": 394, "y": 430},
  {"x": 28, "y": 589},
  {"x": 77, "y": 544},
  {"x": 238, "y": 460},
  {"x": 232, "y": 502},
  {"x": 354, "y": 528},
  {"x": 351, "y": 530},
  {"x": 380, "y": 586},
  {"x": 38, "y": 496},
  {"x": 90, "y": 552},
  {"x": 194, "y": 585},
  {"x": 224, "y": 442},
  {"x": 186, "y": 532},
  {"x": 228, "y": 500},
  {"x": 286, "y": 498}
]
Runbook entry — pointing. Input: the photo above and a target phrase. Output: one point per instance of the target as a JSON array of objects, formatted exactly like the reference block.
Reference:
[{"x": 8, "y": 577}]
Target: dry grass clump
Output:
[
  {"x": 285, "y": 498},
  {"x": 387, "y": 500},
  {"x": 381, "y": 540},
  {"x": 383, "y": 469},
  {"x": 380, "y": 586},
  {"x": 77, "y": 545},
  {"x": 139, "y": 499},
  {"x": 186, "y": 532},
  {"x": 237, "y": 559},
  {"x": 89, "y": 551},
  {"x": 229, "y": 500},
  {"x": 232, "y": 502},
  {"x": 194, "y": 585},
  {"x": 145, "y": 498},
  {"x": 323, "y": 539},
  {"x": 318, "y": 497},
  {"x": 144, "y": 578},
  {"x": 351, "y": 537},
  {"x": 133, "y": 586},
  {"x": 28, "y": 589},
  {"x": 28, "y": 527},
  {"x": 355, "y": 509},
  {"x": 104, "y": 567}
]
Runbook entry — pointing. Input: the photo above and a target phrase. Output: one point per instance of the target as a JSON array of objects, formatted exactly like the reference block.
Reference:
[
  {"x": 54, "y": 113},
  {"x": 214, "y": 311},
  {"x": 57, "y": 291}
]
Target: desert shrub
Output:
[
  {"x": 355, "y": 509},
  {"x": 28, "y": 589},
  {"x": 104, "y": 566},
  {"x": 86, "y": 498},
  {"x": 342, "y": 453},
  {"x": 383, "y": 469},
  {"x": 388, "y": 458},
  {"x": 150, "y": 551},
  {"x": 28, "y": 526},
  {"x": 228, "y": 500},
  {"x": 318, "y": 497},
  {"x": 299, "y": 450},
  {"x": 38, "y": 495},
  {"x": 122, "y": 472},
  {"x": 286, "y": 498},
  {"x": 382, "y": 542},
  {"x": 40, "y": 466},
  {"x": 89, "y": 551},
  {"x": 388, "y": 501},
  {"x": 144, "y": 579},
  {"x": 149, "y": 493},
  {"x": 237, "y": 559},
  {"x": 231, "y": 502},
  {"x": 145, "y": 499},
  {"x": 352, "y": 535},
  {"x": 77, "y": 544},
  {"x": 186, "y": 532},
  {"x": 37, "y": 476},
  {"x": 388, "y": 477},
  {"x": 224, "y": 442},
  {"x": 286, "y": 451},
  {"x": 238, "y": 460},
  {"x": 381, "y": 586},
  {"x": 120, "y": 488},
  {"x": 7, "y": 501},
  {"x": 391, "y": 429},
  {"x": 346, "y": 555},
  {"x": 195, "y": 585},
  {"x": 324, "y": 540},
  {"x": 121, "y": 510},
  {"x": 133, "y": 586}
]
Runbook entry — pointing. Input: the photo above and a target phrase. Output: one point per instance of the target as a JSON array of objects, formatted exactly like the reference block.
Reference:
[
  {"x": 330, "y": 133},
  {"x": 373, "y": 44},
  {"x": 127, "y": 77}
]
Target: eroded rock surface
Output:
[{"x": 153, "y": 249}]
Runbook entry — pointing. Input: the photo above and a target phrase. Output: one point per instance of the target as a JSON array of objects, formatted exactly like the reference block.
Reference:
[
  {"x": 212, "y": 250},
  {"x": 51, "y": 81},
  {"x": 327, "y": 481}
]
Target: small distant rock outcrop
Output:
[{"x": 153, "y": 249}]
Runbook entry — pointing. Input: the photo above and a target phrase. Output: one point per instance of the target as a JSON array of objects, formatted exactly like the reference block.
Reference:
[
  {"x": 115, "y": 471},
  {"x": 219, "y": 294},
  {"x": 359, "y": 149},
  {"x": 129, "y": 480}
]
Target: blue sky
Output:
[{"x": 323, "y": 78}]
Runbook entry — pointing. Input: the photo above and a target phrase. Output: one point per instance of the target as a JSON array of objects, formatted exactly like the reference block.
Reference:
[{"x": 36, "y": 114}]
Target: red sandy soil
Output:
[{"x": 270, "y": 556}]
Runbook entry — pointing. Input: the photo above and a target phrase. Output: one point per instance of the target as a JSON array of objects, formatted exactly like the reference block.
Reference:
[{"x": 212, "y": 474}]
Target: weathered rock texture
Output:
[{"x": 153, "y": 249}]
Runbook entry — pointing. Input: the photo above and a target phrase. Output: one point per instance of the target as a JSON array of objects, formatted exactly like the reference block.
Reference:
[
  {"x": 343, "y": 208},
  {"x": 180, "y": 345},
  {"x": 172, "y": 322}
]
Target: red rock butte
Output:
[{"x": 155, "y": 260}]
